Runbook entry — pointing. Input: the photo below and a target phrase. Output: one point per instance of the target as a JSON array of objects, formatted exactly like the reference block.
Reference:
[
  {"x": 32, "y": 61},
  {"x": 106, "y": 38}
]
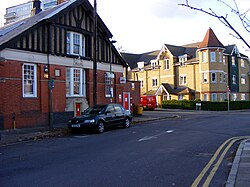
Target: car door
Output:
[
  {"x": 119, "y": 114},
  {"x": 110, "y": 115}
]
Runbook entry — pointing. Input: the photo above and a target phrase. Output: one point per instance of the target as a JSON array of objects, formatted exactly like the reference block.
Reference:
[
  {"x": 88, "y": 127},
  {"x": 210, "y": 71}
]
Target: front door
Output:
[{"x": 78, "y": 109}]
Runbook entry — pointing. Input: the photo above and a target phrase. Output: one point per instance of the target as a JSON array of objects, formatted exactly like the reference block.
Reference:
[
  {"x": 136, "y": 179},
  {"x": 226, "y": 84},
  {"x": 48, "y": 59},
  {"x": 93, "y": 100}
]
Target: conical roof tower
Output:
[{"x": 210, "y": 40}]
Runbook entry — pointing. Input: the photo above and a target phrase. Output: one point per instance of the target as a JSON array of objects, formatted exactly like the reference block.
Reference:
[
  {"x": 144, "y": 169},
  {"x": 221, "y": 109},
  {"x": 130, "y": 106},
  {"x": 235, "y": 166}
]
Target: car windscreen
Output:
[{"x": 94, "y": 110}]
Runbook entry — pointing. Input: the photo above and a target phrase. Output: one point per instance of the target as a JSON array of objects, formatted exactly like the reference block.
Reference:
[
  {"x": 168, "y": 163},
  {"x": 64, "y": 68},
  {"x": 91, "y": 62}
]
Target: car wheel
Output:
[
  {"x": 101, "y": 127},
  {"x": 126, "y": 123}
]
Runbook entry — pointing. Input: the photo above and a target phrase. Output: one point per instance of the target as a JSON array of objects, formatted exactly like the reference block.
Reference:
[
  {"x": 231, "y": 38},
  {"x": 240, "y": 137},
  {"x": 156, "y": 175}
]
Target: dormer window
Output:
[
  {"x": 75, "y": 44},
  {"x": 153, "y": 64},
  {"x": 182, "y": 59}
]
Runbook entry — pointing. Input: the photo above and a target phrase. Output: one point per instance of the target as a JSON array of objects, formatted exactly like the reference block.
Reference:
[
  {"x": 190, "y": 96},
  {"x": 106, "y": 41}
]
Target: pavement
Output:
[{"x": 239, "y": 175}]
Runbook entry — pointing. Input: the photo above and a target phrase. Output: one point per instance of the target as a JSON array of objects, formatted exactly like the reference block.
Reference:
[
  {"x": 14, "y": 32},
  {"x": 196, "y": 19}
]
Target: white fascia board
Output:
[
  {"x": 213, "y": 71},
  {"x": 38, "y": 58},
  {"x": 163, "y": 49}
]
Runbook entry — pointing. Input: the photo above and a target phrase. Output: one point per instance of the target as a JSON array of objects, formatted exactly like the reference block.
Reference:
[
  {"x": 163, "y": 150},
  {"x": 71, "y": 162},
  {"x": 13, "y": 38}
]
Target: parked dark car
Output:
[{"x": 100, "y": 117}]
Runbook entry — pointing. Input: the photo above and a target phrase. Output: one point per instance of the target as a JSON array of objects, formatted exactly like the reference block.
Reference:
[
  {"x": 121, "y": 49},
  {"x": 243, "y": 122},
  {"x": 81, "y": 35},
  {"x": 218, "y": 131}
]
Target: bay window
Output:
[
  {"x": 212, "y": 56},
  {"x": 213, "y": 77},
  {"x": 75, "y": 82}
]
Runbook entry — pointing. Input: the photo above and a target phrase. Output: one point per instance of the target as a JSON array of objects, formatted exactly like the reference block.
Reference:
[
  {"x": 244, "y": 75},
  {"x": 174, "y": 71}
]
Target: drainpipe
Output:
[{"x": 50, "y": 82}]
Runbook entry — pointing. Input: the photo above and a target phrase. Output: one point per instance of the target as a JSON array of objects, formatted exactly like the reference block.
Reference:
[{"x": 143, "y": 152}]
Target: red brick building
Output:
[{"x": 46, "y": 67}]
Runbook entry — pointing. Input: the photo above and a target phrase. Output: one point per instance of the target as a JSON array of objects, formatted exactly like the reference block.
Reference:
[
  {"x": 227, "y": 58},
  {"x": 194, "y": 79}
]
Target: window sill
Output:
[
  {"x": 76, "y": 96},
  {"x": 30, "y": 97}
]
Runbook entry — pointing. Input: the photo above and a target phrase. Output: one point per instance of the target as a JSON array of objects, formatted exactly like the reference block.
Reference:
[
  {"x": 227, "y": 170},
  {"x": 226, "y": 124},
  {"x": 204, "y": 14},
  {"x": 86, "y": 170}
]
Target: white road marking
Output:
[
  {"x": 85, "y": 136},
  {"x": 155, "y": 136}
]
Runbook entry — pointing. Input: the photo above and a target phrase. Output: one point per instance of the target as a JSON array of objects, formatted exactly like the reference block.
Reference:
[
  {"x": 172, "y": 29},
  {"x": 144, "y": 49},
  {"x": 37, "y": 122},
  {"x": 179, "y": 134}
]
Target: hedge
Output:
[{"x": 205, "y": 105}]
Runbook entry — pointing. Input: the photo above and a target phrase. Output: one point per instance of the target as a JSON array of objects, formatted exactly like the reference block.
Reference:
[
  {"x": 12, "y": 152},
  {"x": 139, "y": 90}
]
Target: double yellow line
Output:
[{"x": 226, "y": 146}]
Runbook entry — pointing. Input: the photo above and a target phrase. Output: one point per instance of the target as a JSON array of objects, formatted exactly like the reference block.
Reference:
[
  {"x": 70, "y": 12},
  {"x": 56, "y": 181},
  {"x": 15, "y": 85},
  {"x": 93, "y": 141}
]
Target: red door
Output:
[
  {"x": 126, "y": 100},
  {"x": 78, "y": 109}
]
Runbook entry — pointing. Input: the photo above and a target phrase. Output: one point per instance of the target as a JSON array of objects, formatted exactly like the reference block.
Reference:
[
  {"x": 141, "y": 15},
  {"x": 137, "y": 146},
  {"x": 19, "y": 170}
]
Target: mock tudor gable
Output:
[{"x": 46, "y": 67}]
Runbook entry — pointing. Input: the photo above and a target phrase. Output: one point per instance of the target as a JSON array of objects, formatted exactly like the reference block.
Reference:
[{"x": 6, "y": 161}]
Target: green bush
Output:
[{"x": 205, "y": 105}]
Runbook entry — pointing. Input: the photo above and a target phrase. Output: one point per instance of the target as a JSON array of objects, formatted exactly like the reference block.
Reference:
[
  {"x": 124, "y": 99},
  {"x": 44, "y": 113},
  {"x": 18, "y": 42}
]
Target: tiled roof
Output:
[
  {"x": 176, "y": 50},
  {"x": 189, "y": 49},
  {"x": 178, "y": 90},
  {"x": 132, "y": 59},
  {"x": 229, "y": 49},
  {"x": 150, "y": 92},
  {"x": 10, "y": 31},
  {"x": 210, "y": 40}
]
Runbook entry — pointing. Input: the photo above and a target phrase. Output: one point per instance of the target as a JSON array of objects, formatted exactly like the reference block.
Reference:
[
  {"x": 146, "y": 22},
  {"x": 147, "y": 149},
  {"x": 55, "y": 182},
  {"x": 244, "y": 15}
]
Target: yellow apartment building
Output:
[{"x": 206, "y": 70}]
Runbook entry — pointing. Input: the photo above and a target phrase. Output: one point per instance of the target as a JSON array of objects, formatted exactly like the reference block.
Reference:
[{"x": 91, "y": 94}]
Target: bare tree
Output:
[{"x": 224, "y": 19}]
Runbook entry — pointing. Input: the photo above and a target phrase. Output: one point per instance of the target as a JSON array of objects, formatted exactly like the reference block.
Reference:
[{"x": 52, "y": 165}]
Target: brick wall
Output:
[{"x": 29, "y": 112}]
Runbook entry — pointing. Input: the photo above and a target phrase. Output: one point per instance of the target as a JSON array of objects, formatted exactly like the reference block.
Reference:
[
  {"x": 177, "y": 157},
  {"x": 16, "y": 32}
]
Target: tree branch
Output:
[{"x": 224, "y": 20}]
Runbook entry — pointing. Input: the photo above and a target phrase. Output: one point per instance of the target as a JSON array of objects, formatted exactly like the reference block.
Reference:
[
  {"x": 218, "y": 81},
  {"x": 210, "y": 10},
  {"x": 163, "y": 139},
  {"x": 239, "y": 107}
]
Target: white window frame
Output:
[
  {"x": 243, "y": 79},
  {"x": 205, "y": 77},
  {"x": 165, "y": 97},
  {"x": 215, "y": 78},
  {"x": 183, "y": 79},
  {"x": 71, "y": 81},
  {"x": 29, "y": 78},
  {"x": 108, "y": 85},
  {"x": 71, "y": 43},
  {"x": 242, "y": 63},
  {"x": 141, "y": 83},
  {"x": 225, "y": 78},
  {"x": 233, "y": 79},
  {"x": 180, "y": 97},
  {"x": 205, "y": 97},
  {"x": 234, "y": 96},
  {"x": 214, "y": 97},
  {"x": 243, "y": 97},
  {"x": 221, "y": 77},
  {"x": 166, "y": 64},
  {"x": 154, "y": 82},
  {"x": 212, "y": 56},
  {"x": 221, "y": 97},
  {"x": 204, "y": 56},
  {"x": 220, "y": 57},
  {"x": 233, "y": 61},
  {"x": 153, "y": 64}
]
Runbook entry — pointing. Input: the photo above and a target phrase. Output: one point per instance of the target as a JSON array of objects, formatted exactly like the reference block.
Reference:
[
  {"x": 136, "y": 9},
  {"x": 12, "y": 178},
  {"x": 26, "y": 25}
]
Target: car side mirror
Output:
[{"x": 107, "y": 112}]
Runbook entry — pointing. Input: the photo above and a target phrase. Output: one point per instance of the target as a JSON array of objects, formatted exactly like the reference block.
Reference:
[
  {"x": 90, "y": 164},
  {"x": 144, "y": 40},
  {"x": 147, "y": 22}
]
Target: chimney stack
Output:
[
  {"x": 36, "y": 7},
  {"x": 60, "y": 1}
]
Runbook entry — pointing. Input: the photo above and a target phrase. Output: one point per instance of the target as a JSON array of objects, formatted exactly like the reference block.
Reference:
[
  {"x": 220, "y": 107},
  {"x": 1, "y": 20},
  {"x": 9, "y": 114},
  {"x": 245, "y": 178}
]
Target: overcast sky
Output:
[{"x": 141, "y": 26}]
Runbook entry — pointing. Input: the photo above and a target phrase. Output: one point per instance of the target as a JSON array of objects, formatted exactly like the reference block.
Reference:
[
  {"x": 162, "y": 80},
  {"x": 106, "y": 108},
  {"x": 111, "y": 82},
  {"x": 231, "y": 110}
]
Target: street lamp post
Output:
[
  {"x": 110, "y": 70},
  {"x": 94, "y": 56}
]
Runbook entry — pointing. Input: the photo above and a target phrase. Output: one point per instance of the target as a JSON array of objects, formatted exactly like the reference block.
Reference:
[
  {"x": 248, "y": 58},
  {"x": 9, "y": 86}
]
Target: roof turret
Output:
[{"x": 210, "y": 40}]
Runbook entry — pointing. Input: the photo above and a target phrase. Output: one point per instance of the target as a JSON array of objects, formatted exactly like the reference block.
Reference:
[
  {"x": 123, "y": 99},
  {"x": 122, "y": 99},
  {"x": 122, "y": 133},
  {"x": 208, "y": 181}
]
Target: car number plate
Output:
[{"x": 77, "y": 125}]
